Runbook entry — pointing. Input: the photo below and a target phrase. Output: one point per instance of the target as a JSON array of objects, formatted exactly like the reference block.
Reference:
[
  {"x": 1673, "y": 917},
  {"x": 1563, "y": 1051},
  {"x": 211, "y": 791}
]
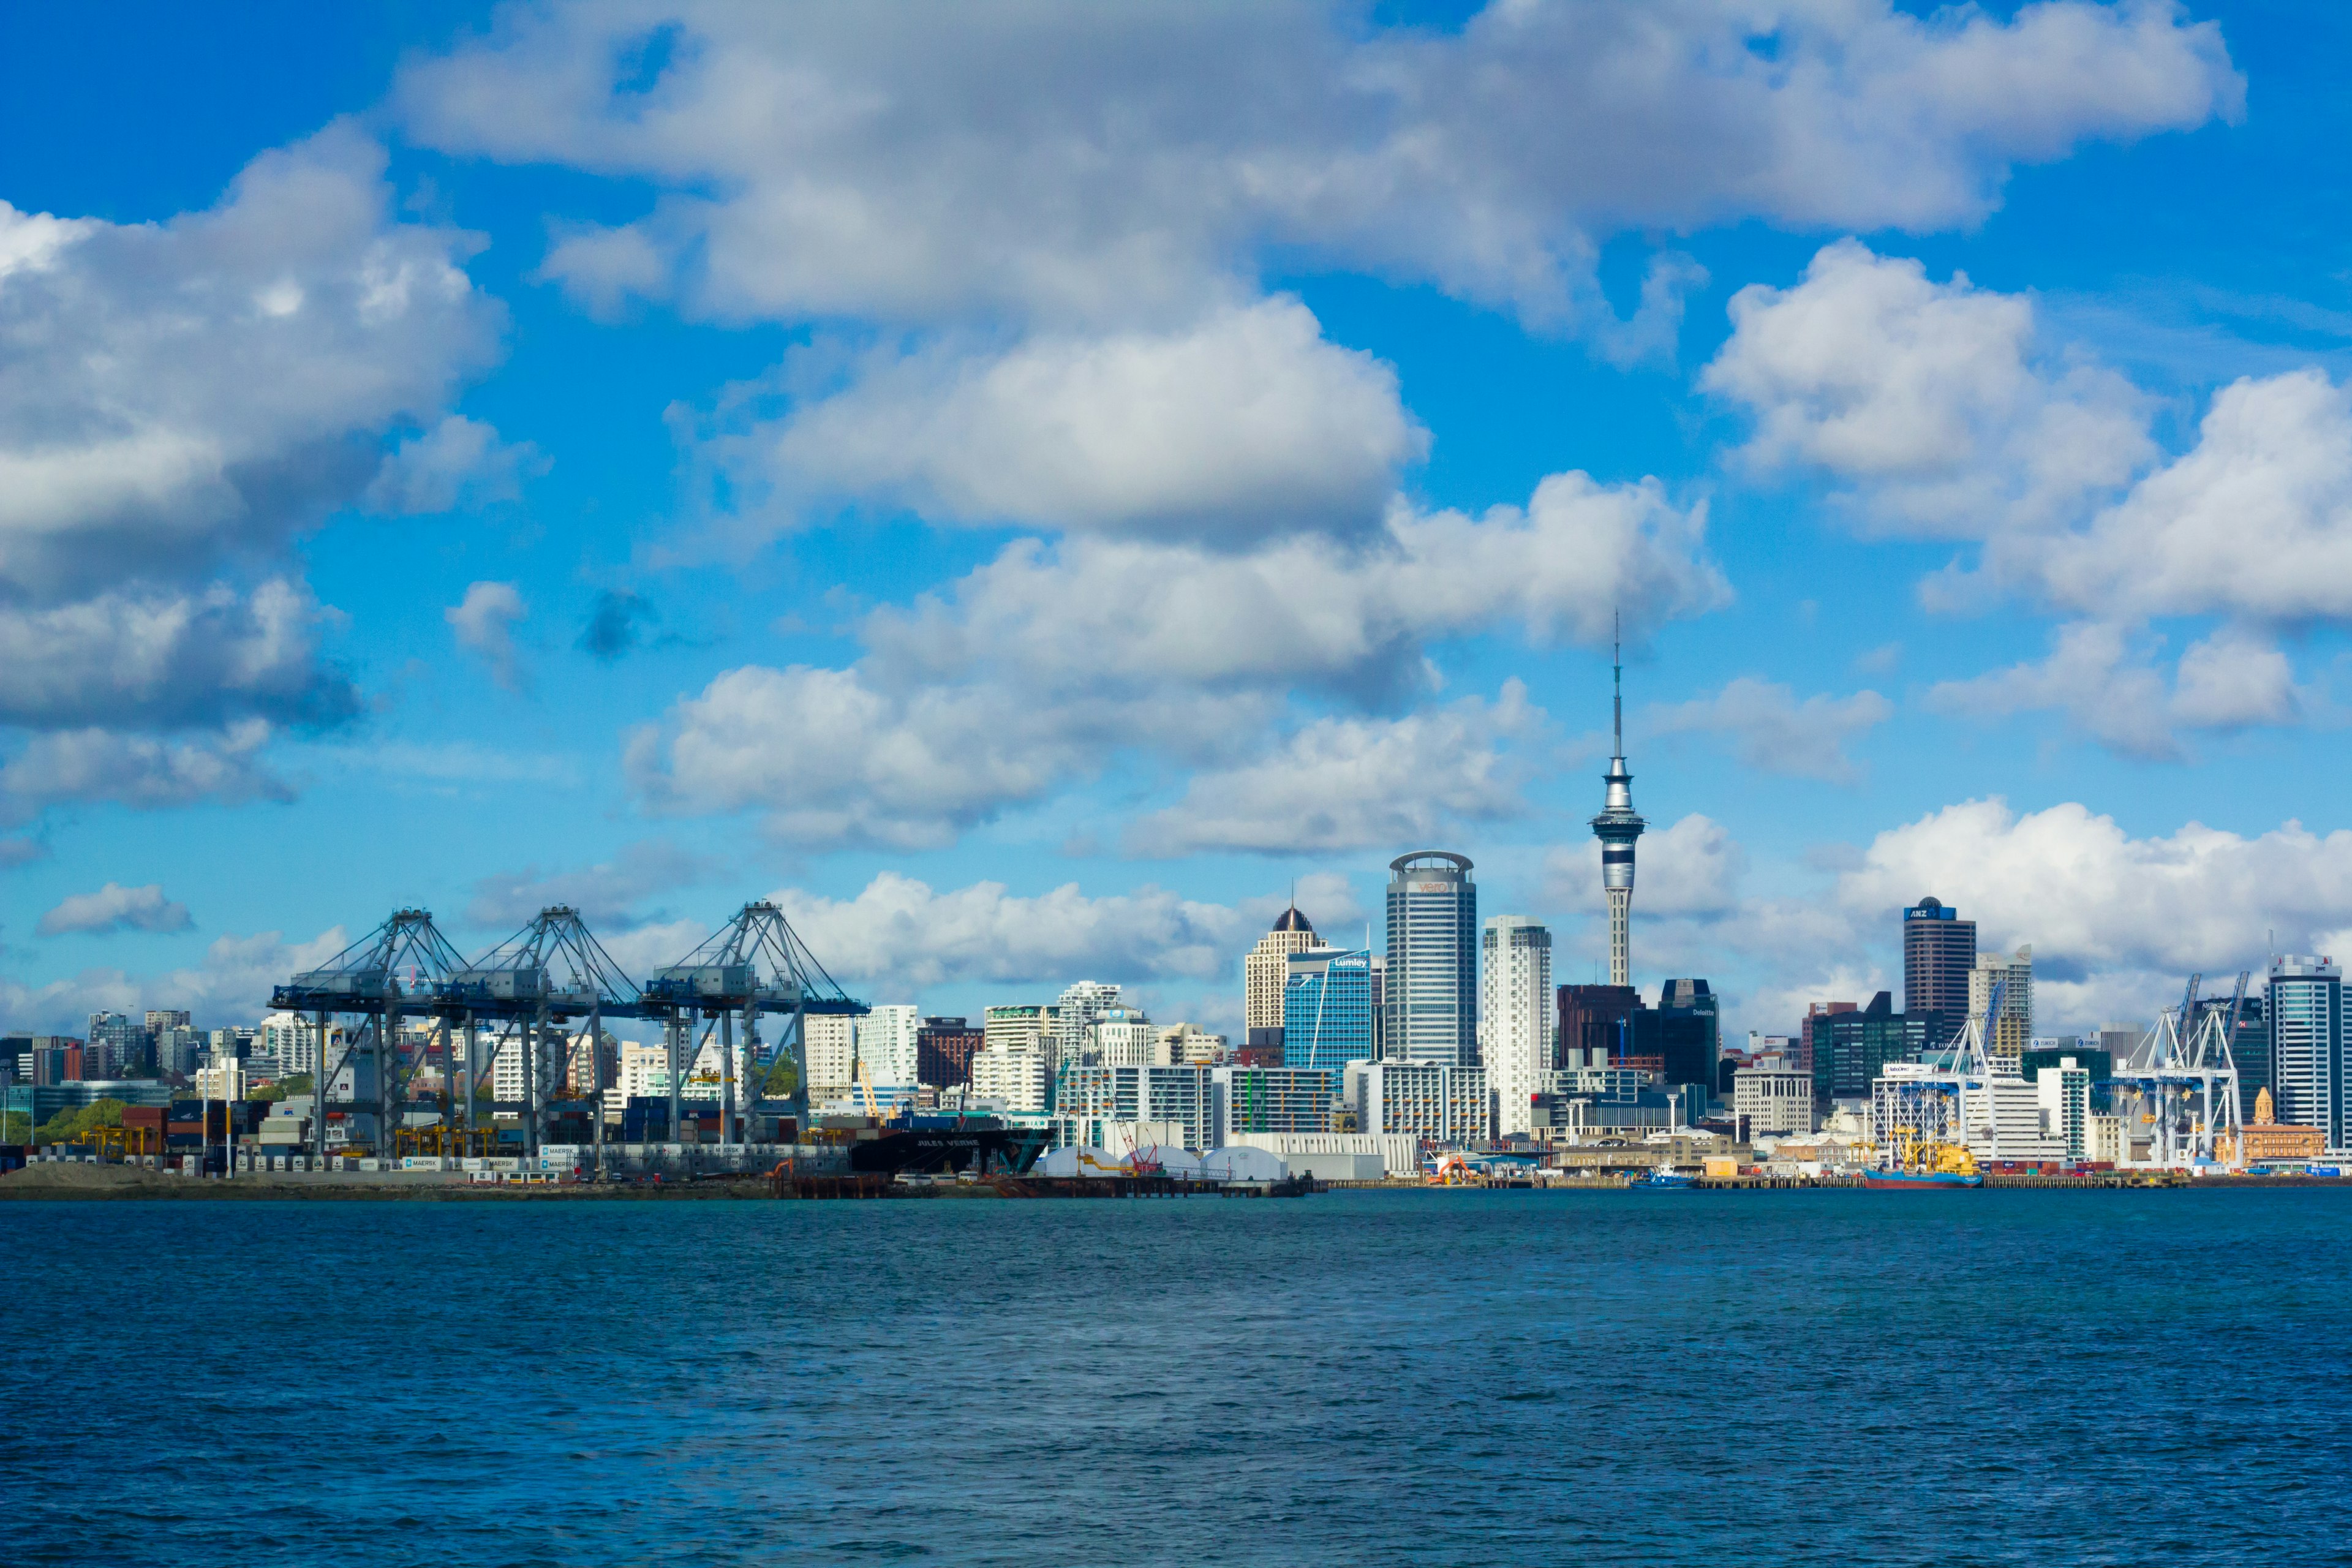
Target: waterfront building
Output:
[
  {"x": 2090, "y": 1059},
  {"x": 829, "y": 1053},
  {"x": 886, "y": 1045},
  {"x": 1114, "y": 1108},
  {"x": 1685, "y": 1033},
  {"x": 2104, "y": 1142},
  {"x": 1851, "y": 1050},
  {"x": 1189, "y": 1045},
  {"x": 2003, "y": 1117},
  {"x": 1123, "y": 1038},
  {"x": 1437, "y": 1101},
  {"x": 1771, "y": 1102},
  {"x": 1431, "y": 992},
  {"x": 1939, "y": 953},
  {"x": 2062, "y": 1090},
  {"x": 943, "y": 1051},
  {"x": 1268, "y": 1100},
  {"x": 1515, "y": 1015},
  {"x": 1340, "y": 1156},
  {"x": 1022, "y": 1025},
  {"x": 1264, "y": 974},
  {"x": 2012, "y": 976},
  {"x": 2269, "y": 1140},
  {"x": 2305, "y": 1009},
  {"x": 1327, "y": 1010},
  {"x": 1594, "y": 1026},
  {"x": 1074, "y": 1013},
  {"x": 1017, "y": 1076},
  {"x": 1617, "y": 826}
]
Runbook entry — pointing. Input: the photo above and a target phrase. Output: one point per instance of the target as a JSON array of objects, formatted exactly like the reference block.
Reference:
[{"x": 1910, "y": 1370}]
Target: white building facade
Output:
[
  {"x": 1515, "y": 1017},
  {"x": 1432, "y": 1101},
  {"x": 1772, "y": 1102}
]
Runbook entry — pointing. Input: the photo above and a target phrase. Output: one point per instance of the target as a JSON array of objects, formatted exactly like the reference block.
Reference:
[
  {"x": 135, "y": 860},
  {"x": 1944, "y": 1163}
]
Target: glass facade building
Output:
[
  {"x": 1326, "y": 1011},
  {"x": 2305, "y": 1009},
  {"x": 1850, "y": 1050},
  {"x": 1432, "y": 991}
]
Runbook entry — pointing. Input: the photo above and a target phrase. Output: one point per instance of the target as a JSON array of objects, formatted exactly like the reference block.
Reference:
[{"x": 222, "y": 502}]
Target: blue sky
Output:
[{"x": 1022, "y": 486}]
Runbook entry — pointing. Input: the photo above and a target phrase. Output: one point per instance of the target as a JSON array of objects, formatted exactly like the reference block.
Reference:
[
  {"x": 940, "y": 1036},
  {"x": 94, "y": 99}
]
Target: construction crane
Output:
[
  {"x": 755, "y": 964},
  {"x": 365, "y": 979}
]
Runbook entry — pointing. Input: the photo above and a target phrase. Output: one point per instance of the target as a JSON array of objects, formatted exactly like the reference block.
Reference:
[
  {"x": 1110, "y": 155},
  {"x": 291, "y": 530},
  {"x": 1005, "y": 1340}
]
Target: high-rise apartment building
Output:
[
  {"x": 1022, "y": 1025},
  {"x": 1264, "y": 974},
  {"x": 1123, "y": 1038},
  {"x": 1432, "y": 985},
  {"x": 829, "y": 1052},
  {"x": 2007, "y": 1031},
  {"x": 1940, "y": 951},
  {"x": 2305, "y": 1007},
  {"x": 943, "y": 1051},
  {"x": 1327, "y": 1015},
  {"x": 885, "y": 1046},
  {"x": 1015, "y": 1075},
  {"x": 1515, "y": 1017},
  {"x": 1076, "y": 1013}
]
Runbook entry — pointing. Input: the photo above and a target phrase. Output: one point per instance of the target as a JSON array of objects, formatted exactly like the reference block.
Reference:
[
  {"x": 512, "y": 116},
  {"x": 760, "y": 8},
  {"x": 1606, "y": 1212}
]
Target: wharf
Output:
[{"x": 785, "y": 1185}]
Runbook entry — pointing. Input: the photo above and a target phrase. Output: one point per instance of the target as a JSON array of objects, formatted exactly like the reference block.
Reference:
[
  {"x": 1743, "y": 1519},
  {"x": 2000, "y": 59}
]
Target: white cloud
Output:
[
  {"x": 1928, "y": 398},
  {"x": 1689, "y": 870},
  {"x": 900, "y": 932},
  {"x": 171, "y": 659},
  {"x": 606, "y": 893},
  {"x": 483, "y": 622},
  {"x": 459, "y": 461},
  {"x": 1769, "y": 730},
  {"x": 139, "y": 771},
  {"x": 231, "y": 985},
  {"x": 1067, "y": 162},
  {"x": 1352, "y": 783},
  {"x": 115, "y": 908},
  {"x": 1243, "y": 424}
]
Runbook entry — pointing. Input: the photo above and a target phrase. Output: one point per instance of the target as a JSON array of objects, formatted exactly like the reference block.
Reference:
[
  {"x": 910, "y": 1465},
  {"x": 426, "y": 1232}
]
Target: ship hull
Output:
[
  {"x": 935, "y": 1152},
  {"x": 1919, "y": 1181}
]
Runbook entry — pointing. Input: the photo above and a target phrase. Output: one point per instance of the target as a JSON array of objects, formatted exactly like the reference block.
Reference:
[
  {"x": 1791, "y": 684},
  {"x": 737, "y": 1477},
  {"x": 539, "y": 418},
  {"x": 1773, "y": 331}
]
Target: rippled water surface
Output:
[{"x": 2024, "y": 1377}]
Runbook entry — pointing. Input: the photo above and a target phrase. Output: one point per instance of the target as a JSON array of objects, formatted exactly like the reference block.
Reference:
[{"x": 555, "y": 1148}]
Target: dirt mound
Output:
[{"x": 69, "y": 1176}]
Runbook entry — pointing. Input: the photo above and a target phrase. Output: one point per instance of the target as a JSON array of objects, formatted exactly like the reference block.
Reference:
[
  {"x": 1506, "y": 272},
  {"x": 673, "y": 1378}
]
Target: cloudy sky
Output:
[{"x": 1025, "y": 486}]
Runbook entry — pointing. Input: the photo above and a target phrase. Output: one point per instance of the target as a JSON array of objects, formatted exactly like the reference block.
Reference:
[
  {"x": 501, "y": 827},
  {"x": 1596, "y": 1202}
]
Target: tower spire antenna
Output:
[
  {"x": 1618, "y": 824},
  {"x": 1617, "y": 676}
]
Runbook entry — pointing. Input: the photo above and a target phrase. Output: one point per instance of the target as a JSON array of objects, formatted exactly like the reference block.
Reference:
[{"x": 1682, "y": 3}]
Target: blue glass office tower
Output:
[
  {"x": 1326, "y": 1011},
  {"x": 1432, "y": 970},
  {"x": 2305, "y": 1006}
]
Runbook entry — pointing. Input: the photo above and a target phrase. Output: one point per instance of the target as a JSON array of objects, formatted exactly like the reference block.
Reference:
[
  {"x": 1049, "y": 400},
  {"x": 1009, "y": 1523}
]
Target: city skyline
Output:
[{"x": 524, "y": 520}]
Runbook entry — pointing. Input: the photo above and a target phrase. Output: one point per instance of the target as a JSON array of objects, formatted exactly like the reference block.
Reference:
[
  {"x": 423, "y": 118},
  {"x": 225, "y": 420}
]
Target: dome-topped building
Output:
[{"x": 1265, "y": 974}]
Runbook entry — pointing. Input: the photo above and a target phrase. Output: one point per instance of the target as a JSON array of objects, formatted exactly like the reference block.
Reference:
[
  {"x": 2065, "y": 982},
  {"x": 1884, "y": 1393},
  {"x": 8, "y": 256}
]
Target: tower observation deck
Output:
[{"x": 1617, "y": 826}]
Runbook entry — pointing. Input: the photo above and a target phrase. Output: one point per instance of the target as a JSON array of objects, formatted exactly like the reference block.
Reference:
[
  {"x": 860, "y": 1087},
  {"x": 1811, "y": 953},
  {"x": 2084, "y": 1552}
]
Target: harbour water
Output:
[{"x": 1456, "y": 1377}]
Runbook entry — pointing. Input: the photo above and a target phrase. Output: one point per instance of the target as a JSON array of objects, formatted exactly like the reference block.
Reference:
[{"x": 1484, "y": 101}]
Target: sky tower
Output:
[{"x": 1617, "y": 826}]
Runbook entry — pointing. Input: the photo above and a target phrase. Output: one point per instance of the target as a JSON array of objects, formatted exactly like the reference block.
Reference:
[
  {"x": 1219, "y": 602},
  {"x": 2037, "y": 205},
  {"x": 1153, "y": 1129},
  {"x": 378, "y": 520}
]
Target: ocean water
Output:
[{"x": 1507, "y": 1377}]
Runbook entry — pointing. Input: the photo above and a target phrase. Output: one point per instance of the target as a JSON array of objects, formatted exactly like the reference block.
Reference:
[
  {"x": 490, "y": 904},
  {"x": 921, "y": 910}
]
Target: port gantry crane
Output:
[
  {"x": 365, "y": 979},
  {"x": 2182, "y": 1081},
  {"x": 755, "y": 964},
  {"x": 534, "y": 984}
]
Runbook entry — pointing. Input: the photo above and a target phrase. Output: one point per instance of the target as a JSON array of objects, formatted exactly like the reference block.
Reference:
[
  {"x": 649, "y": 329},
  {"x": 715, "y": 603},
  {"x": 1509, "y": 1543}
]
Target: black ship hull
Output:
[{"x": 986, "y": 1151}]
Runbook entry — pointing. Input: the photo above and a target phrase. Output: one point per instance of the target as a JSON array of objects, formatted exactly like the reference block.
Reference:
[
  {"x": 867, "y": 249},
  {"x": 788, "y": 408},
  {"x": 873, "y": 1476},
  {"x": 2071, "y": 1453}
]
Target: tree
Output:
[{"x": 783, "y": 1079}]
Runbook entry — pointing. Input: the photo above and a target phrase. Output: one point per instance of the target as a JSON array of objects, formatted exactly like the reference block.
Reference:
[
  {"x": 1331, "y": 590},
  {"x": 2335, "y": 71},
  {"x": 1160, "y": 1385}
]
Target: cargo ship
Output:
[
  {"x": 1924, "y": 1165},
  {"x": 937, "y": 1145}
]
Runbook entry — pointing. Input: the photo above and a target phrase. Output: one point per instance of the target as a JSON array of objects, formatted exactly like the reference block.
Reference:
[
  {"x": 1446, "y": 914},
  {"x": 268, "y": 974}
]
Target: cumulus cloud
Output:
[
  {"x": 1243, "y": 424},
  {"x": 143, "y": 772},
  {"x": 115, "y": 908},
  {"x": 2107, "y": 682},
  {"x": 1689, "y": 870},
  {"x": 483, "y": 622},
  {"x": 230, "y": 986},
  {"x": 21, "y": 851},
  {"x": 1350, "y": 783},
  {"x": 1063, "y": 162},
  {"x": 459, "y": 461},
  {"x": 1767, "y": 728}
]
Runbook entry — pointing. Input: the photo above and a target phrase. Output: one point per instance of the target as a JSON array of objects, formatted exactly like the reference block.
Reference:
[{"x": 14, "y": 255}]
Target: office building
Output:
[
  {"x": 1022, "y": 1025},
  {"x": 1813, "y": 1011},
  {"x": 115, "y": 1045},
  {"x": 887, "y": 1047},
  {"x": 2250, "y": 1046},
  {"x": 1432, "y": 984},
  {"x": 1515, "y": 1017},
  {"x": 943, "y": 1051},
  {"x": 1123, "y": 1038},
  {"x": 2306, "y": 1010},
  {"x": 1074, "y": 1015},
  {"x": 1594, "y": 1026},
  {"x": 1685, "y": 1033},
  {"x": 1189, "y": 1045},
  {"x": 1617, "y": 826},
  {"x": 1327, "y": 1010},
  {"x": 1432, "y": 1100},
  {"x": 1771, "y": 1102},
  {"x": 1262, "y": 1099},
  {"x": 2062, "y": 1090},
  {"x": 1265, "y": 972},
  {"x": 1851, "y": 1050},
  {"x": 2007, "y": 1031},
  {"x": 1939, "y": 952}
]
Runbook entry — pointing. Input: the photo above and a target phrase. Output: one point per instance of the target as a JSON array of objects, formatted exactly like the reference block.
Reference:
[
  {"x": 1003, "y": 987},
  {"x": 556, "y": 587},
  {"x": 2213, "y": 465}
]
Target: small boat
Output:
[
  {"x": 1915, "y": 1181},
  {"x": 1662, "y": 1180}
]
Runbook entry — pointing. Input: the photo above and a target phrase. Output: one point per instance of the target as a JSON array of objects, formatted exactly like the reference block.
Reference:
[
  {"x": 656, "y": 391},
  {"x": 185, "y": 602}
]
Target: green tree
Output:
[{"x": 782, "y": 1080}]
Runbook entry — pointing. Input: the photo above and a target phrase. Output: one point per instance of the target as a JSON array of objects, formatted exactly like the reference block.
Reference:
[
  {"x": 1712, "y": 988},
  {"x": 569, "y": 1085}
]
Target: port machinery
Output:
[
  {"x": 531, "y": 990},
  {"x": 2181, "y": 1082}
]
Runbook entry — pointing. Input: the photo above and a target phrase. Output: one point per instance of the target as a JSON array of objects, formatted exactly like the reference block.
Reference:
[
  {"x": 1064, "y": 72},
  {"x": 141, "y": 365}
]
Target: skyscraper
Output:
[
  {"x": 1515, "y": 1021},
  {"x": 1264, "y": 974},
  {"x": 1939, "y": 949},
  {"x": 1432, "y": 985},
  {"x": 1326, "y": 1011},
  {"x": 2006, "y": 1032},
  {"x": 1079, "y": 1007},
  {"x": 1617, "y": 826},
  {"x": 2305, "y": 1005}
]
